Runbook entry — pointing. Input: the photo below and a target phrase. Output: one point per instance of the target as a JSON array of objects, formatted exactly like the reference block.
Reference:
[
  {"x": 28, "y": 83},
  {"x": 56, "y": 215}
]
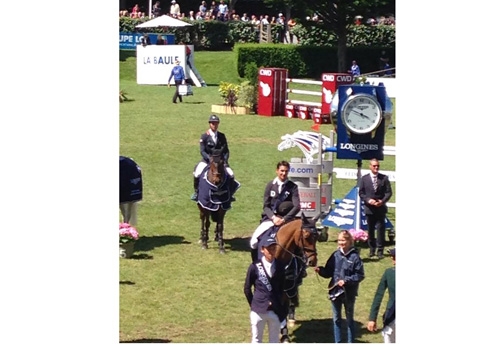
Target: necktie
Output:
[{"x": 374, "y": 182}]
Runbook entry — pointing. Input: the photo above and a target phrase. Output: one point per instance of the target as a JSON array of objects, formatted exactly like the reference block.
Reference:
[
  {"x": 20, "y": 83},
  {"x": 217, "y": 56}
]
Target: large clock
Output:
[{"x": 361, "y": 113}]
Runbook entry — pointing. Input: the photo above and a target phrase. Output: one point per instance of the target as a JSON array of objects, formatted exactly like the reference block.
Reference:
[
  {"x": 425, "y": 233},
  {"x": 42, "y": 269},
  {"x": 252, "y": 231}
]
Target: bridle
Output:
[{"x": 307, "y": 253}]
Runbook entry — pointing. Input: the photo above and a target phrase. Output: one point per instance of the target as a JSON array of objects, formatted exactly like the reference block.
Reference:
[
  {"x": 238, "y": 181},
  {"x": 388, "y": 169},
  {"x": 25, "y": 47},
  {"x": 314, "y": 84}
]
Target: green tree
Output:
[{"x": 336, "y": 16}]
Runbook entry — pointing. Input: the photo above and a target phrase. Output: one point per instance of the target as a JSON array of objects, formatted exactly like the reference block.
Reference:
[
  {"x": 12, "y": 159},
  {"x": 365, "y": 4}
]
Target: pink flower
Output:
[
  {"x": 127, "y": 233},
  {"x": 359, "y": 235}
]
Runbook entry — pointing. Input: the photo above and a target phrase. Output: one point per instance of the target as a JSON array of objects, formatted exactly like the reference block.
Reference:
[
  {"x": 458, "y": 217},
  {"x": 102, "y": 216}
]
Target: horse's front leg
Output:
[
  {"x": 205, "y": 225},
  {"x": 220, "y": 237}
]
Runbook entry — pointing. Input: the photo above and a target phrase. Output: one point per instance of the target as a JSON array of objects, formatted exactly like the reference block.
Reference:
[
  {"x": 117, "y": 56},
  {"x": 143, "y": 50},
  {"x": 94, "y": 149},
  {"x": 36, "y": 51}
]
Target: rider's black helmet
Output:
[{"x": 213, "y": 118}]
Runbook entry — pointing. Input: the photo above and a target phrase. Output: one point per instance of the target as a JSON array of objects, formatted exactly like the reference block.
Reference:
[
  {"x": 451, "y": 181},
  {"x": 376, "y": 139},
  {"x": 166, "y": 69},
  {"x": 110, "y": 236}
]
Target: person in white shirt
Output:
[{"x": 175, "y": 9}]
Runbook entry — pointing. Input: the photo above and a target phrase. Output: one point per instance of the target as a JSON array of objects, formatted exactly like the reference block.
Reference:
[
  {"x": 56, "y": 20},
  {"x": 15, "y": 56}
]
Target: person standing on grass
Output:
[
  {"x": 355, "y": 71},
  {"x": 388, "y": 281},
  {"x": 179, "y": 78},
  {"x": 267, "y": 276},
  {"x": 345, "y": 270},
  {"x": 375, "y": 191}
]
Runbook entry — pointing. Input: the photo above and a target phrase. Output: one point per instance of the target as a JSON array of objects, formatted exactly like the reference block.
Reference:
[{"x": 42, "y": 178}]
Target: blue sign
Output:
[
  {"x": 129, "y": 40},
  {"x": 349, "y": 212},
  {"x": 360, "y": 146}
]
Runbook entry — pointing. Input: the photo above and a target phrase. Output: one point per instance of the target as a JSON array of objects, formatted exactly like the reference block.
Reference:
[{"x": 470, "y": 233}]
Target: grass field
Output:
[{"x": 171, "y": 290}]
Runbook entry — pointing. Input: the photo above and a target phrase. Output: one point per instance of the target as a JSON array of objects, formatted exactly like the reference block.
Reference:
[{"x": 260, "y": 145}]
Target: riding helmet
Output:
[{"x": 213, "y": 118}]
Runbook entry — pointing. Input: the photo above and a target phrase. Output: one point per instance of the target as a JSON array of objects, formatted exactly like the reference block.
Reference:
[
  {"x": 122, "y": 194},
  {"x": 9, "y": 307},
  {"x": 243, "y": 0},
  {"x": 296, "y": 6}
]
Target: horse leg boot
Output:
[
  {"x": 196, "y": 184},
  {"x": 284, "y": 333}
]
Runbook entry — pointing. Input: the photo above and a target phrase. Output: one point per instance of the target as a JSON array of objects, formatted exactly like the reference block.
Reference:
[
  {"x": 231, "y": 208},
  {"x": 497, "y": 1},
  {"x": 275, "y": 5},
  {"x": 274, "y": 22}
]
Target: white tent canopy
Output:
[{"x": 163, "y": 21}]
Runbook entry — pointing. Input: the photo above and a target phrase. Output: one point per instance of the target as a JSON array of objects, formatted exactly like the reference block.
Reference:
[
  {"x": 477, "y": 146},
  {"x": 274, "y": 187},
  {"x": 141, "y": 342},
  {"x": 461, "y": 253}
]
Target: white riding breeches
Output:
[
  {"x": 259, "y": 321},
  {"x": 129, "y": 212},
  {"x": 201, "y": 166},
  {"x": 254, "y": 241}
]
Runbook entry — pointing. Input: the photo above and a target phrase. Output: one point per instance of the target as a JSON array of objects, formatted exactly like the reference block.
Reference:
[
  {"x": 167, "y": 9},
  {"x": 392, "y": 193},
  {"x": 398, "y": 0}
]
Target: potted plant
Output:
[
  {"x": 230, "y": 94},
  {"x": 128, "y": 236}
]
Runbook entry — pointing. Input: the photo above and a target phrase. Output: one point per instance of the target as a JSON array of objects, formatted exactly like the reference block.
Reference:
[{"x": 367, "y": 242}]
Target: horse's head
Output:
[
  {"x": 216, "y": 171},
  {"x": 309, "y": 237}
]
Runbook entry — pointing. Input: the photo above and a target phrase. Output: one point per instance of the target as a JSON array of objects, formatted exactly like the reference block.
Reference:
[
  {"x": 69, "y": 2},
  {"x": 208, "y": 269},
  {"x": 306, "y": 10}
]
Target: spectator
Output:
[
  {"x": 388, "y": 281},
  {"x": 245, "y": 18},
  {"x": 145, "y": 40},
  {"x": 191, "y": 15},
  {"x": 200, "y": 16},
  {"x": 135, "y": 11},
  {"x": 254, "y": 20},
  {"x": 357, "y": 20},
  {"x": 156, "y": 10},
  {"x": 160, "y": 40},
  {"x": 214, "y": 10},
  {"x": 282, "y": 30},
  {"x": 291, "y": 24},
  {"x": 203, "y": 8},
  {"x": 223, "y": 11},
  {"x": 175, "y": 9},
  {"x": 355, "y": 71},
  {"x": 264, "y": 20}
]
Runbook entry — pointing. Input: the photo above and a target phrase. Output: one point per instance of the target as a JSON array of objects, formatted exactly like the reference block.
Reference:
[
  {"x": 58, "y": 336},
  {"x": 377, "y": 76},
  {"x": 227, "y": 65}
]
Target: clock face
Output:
[{"x": 361, "y": 113}]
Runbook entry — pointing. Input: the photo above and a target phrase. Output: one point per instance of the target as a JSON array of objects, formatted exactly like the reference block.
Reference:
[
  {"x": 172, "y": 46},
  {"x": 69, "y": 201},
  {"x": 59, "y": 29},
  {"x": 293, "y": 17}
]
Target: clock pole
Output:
[{"x": 358, "y": 200}]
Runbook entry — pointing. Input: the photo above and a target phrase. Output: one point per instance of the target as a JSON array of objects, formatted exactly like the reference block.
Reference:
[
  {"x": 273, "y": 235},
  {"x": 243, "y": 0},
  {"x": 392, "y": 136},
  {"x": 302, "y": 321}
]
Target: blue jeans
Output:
[{"x": 337, "y": 319}]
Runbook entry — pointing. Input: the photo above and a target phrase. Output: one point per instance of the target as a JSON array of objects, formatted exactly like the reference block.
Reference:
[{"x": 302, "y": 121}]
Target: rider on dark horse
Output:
[
  {"x": 281, "y": 205},
  {"x": 211, "y": 140}
]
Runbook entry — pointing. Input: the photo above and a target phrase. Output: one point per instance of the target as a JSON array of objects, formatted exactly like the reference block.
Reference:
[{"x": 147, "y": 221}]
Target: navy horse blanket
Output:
[{"x": 212, "y": 197}]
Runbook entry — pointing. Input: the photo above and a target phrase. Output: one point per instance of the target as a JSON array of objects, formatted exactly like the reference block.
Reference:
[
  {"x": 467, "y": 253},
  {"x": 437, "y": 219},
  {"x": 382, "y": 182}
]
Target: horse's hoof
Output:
[
  {"x": 222, "y": 251},
  {"x": 291, "y": 323},
  {"x": 285, "y": 339},
  {"x": 204, "y": 246}
]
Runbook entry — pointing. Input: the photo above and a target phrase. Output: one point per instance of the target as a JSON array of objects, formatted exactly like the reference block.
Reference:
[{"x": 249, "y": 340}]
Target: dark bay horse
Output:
[
  {"x": 297, "y": 249},
  {"x": 214, "y": 198}
]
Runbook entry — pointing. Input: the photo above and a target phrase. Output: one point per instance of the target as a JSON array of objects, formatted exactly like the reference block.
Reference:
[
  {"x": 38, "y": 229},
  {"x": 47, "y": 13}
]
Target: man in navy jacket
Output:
[{"x": 266, "y": 304}]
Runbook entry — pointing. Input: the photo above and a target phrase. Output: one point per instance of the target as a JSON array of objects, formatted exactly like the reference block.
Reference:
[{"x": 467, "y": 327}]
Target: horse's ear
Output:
[
  {"x": 303, "y": 217},
  {"x": 315, "y": 219}
]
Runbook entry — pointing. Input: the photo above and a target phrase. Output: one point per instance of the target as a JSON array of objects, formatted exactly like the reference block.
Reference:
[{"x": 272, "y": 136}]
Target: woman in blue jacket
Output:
[{"x": 346, "y": 271}]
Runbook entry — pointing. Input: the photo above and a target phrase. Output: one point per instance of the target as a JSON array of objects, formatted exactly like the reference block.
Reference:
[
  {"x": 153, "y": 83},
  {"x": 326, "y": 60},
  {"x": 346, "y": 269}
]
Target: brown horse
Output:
[
  {"x": 214, "y": 199},
  {"x": 297, "y": 249}
]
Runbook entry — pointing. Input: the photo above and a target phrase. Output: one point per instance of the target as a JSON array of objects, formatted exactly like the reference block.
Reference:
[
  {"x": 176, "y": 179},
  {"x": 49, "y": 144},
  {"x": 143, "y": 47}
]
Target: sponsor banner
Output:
[
  {"x": 129, "y": 40},
  {"x": 309, "y": 170},
  {"x": 352, "y": 174}
]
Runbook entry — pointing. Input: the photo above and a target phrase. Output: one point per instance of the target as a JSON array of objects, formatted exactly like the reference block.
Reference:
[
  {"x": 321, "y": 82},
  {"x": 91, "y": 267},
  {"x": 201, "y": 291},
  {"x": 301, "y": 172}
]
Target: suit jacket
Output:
[
  {"x": 383, "y": 192},
  {"x": 207, "y": 145},
  {"x": 272, "y": 199}
]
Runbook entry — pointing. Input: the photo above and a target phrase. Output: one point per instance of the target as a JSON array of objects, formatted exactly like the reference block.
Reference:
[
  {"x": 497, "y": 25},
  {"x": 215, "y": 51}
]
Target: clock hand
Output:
[{"x": 359, "y": 113}]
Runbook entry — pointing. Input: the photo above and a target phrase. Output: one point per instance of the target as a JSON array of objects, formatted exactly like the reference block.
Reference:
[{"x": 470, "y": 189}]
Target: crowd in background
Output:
[{"x": 220, "y": 11}]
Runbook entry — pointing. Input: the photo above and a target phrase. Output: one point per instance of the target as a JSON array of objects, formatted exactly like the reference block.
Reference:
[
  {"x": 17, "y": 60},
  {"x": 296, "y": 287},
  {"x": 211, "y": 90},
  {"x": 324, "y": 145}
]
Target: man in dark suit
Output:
[
  {"x": 375, "y": 190},
  {"x": 211, "y": 140}
]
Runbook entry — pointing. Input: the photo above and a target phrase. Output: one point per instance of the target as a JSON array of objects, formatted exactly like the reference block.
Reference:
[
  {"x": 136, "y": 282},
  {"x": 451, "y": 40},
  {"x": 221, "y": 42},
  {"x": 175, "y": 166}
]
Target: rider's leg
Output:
[
  {"x": 230, "y": 173},
  {"x": 196, "y": 180}
]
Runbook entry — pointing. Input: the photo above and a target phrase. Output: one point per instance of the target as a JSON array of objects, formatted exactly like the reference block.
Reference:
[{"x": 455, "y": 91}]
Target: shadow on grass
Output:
[
  {"x": 125, "y": 54},
  {"x": 187, "y": 102},
  {"x": 241, "y": 244},
  {"x": 126, "y": 282},
  {"x": 147, "y": 243},
  {"x": 321, "y": 331},
  {"x": 147, "y": 341}
]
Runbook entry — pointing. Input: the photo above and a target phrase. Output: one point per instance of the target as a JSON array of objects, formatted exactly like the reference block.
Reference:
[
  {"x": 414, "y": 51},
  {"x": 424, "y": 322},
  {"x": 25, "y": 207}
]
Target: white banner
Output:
[{"x": 155, "y": 63}]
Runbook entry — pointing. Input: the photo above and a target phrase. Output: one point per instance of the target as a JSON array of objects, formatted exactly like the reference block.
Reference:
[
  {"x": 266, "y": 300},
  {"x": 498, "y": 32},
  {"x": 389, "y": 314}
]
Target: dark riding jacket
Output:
[
  {"x": 272, "y": 199},
  {"x": 207, "y": 145},
  {"x": 261, "y": 299}
]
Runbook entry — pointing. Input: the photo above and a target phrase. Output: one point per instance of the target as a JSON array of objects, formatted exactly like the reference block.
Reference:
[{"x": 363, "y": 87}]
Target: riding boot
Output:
[{"x": 196, "y": 183}]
